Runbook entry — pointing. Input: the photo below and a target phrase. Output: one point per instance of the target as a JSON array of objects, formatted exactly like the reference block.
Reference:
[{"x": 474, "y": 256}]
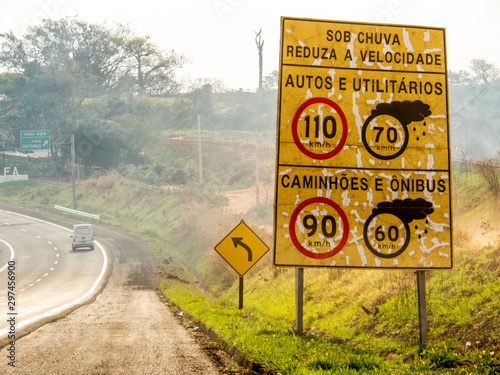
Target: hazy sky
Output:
[{"x": 218, "y": 36}]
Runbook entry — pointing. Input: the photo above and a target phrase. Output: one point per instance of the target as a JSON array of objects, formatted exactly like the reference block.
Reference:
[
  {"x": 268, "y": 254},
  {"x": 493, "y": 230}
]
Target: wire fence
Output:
[
  {"x": 24, "y": 164},
  {"x": 43, "y": 166},
  {"x": 266, "y": 139}
]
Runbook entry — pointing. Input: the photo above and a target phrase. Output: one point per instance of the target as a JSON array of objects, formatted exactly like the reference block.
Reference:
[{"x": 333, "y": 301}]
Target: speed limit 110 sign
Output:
[{"x": 363, "y": 157}]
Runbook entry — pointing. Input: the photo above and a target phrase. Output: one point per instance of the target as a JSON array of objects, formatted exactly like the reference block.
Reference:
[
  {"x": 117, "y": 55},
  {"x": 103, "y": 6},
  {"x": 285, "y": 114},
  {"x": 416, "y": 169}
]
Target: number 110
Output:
[{"x": 329, "y": 131}]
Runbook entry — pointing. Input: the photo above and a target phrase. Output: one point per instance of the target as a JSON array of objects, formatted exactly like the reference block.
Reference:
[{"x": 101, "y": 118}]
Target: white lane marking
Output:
[
  {"x": 39, "y": 236},
  {"x": 11, "y": 255},
  {"x": 24, "y": 230},
  {"x": 76, "y": 301},
  {"x": 67, "y": 305}
]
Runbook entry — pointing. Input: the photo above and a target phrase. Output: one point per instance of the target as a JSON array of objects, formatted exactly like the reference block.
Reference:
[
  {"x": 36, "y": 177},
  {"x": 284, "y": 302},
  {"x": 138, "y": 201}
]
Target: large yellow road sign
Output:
[
  {"x": 241, "y": 248},
  {"x": 363, "y": 161}
]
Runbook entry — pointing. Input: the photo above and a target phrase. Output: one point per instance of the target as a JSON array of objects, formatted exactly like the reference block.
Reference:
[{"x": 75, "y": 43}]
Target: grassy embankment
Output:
[{"x": 356, "y": 322}]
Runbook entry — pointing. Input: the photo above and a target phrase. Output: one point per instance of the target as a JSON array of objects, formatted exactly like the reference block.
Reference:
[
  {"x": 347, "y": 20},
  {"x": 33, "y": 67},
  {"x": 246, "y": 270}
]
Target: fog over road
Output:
[{"x": 125, "y": 330}]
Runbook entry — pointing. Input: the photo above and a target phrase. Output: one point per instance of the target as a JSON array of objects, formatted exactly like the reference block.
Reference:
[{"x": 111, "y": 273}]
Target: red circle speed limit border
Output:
[
  {"x": 338, "y": 110},
  {"x": 328, "y": 228}
]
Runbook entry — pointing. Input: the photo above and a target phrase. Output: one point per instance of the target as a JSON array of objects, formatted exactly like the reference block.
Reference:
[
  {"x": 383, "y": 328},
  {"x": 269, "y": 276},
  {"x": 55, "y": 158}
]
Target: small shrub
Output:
[
  {"x": 320, "y": 364},
  {"x": 363, "y": 362},
  {"x": 442, "y": 358},
  {"x": 106, "y": 182}
]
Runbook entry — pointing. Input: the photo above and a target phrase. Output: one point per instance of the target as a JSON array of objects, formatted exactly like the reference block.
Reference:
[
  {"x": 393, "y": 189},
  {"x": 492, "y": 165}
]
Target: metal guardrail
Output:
[{"x": 81, "y": 213}]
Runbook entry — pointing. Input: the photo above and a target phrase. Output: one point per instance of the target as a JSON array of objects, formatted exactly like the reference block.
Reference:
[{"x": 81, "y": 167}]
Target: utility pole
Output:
[
  {"x": 257, "y": 168},
  {"x": 64, "y": 140},
  {"x": 73, "y": 169},
  {"x": 260, "y": 46},
  {"x": 200, "y": 164}
]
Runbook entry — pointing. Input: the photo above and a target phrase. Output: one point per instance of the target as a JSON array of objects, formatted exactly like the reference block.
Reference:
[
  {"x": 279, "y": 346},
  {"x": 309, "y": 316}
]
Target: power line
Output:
[{"x": 465, "y": 106}]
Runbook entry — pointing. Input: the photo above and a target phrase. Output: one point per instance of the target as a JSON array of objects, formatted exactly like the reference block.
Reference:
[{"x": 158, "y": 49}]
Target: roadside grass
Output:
[
  {"x": 270, "y": 341},
  {"x": 355, "y": 321}
]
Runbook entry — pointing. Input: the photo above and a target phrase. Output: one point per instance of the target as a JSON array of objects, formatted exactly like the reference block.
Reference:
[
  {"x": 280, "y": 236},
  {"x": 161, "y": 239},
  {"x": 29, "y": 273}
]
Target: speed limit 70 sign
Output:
[{"x": 363, "y": 160}]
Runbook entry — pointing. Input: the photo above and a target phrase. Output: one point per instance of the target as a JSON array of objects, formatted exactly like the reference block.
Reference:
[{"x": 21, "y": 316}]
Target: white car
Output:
[{"x": 83, "y": 236}]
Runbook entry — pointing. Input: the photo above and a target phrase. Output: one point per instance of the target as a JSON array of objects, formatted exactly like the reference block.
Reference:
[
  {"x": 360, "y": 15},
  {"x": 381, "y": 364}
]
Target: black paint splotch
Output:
[
  {"x": 406, "y": 111},
  {"x": 406, "y": 210}
]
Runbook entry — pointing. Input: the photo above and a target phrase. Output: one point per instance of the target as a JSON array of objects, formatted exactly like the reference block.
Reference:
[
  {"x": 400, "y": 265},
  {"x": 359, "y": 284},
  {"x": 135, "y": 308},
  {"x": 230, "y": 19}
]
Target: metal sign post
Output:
[
  {"x": 240, "y": 304},
  {"x": 422, "y": 307},
  {"x": 299, "y": 299}
]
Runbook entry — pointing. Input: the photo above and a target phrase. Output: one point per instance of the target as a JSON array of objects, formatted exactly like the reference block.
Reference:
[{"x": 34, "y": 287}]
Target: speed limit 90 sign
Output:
[
  {"x": 326, "y": 230},
  {"x": 363, "y": 171}
]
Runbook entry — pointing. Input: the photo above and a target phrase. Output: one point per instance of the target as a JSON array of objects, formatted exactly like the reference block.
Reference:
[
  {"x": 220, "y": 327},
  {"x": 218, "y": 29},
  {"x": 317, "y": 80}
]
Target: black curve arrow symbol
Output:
[{"x": 238, "y": 241}]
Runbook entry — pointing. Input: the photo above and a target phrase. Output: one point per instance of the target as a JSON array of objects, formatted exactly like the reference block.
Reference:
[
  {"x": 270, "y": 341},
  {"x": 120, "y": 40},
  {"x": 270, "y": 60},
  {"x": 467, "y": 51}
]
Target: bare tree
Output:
[
  {"x": 490, "y": 171},
  {"x": 260, "y": 46}
]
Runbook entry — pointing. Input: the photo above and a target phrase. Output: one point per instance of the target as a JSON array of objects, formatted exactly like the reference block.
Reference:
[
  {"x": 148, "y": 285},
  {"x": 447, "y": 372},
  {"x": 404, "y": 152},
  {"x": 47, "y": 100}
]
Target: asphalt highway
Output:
[
  {"x": 41, "y": 272},
  {"x": 87, "y": 312}
]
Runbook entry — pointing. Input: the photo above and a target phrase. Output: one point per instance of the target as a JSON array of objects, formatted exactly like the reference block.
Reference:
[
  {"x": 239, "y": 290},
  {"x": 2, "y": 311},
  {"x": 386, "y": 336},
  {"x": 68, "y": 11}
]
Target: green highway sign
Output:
[{"x": 35, "y": 140}]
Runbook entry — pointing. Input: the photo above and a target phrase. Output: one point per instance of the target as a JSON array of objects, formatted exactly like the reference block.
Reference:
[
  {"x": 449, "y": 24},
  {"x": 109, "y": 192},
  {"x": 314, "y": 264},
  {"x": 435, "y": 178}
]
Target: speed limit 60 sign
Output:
[{"x": 363, "y": 160}]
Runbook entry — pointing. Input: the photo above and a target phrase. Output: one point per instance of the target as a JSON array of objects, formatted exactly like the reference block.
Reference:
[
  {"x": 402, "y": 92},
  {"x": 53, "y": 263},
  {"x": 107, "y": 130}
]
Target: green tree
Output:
[
  {"x": 271, "y": 81},
  {"x": 103, "y": 144},
  {"x": 56, "y": 66},
  {"x": 10, "y": 96},
  {"x": 460, "y": 78},
  {"x": 87, "y": 51},
  {"x": 153, "y": 68},
  {"x": 40, "y": 98},
  {"x": 484, "y": 71},
  {"x": 475, "y": 114},
  {"x": 68, "y": 73}
]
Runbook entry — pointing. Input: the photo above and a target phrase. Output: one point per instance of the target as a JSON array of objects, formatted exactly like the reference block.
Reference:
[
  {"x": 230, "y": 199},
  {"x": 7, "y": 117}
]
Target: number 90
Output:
[{"x": 311, "y": 223}]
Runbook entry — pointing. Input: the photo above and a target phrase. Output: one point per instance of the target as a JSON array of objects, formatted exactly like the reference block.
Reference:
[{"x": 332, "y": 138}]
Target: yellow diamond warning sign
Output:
[
  {"x": 241, "y": 248},
  {"x": 363, "y": 160}
]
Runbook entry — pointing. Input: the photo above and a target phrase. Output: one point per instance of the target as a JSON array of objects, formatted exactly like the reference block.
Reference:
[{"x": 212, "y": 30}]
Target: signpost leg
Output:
[
  {"x": 299, "y": 299},
  {"x": 240, "y": 306},
  {"x": 422, "y": 307}
]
